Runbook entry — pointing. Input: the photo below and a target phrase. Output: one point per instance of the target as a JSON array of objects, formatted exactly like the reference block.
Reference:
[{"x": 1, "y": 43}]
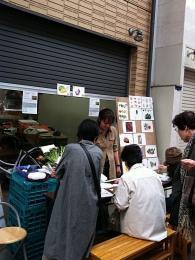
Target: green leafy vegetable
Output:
[{"x": 61, "y": 87}]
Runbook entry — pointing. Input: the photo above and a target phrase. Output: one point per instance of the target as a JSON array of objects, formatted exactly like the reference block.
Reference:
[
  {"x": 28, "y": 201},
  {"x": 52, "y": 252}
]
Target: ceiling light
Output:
[{"x": 138, "y": 37}]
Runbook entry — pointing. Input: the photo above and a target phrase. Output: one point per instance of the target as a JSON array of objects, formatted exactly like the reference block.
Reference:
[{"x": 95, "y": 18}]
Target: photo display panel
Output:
[{"x": 135, "y": 119}]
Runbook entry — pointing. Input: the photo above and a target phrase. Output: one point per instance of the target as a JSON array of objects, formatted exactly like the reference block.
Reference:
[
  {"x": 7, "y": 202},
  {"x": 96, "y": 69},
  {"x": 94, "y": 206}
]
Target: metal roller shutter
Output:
[
  {"x": 188, "y": 96},
  {"x": 38, "y": 52}
]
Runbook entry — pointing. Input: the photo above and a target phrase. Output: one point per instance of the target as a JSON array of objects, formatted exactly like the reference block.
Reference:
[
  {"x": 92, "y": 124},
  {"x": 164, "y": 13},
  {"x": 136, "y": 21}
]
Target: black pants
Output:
[{"x": 106, "y": 169}]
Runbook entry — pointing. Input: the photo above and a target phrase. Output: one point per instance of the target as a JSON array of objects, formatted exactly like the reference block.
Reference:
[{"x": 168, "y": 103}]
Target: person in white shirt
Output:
[{"x": 140, "y": 198}]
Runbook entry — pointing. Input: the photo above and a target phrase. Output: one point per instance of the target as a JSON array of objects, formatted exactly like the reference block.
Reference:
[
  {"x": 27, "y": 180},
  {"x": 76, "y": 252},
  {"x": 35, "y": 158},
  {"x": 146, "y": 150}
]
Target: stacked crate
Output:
[{"x": 29, "y": 201}]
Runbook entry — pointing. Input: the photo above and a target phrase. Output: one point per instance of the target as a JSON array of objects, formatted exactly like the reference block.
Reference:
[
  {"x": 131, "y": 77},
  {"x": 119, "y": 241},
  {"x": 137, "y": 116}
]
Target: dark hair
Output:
[
  {"x": 88, "y": 130},
  {"x": 131, "y": 154},
  {"x": 186, "y": 118},
  {"x": 106, "y": 113}
]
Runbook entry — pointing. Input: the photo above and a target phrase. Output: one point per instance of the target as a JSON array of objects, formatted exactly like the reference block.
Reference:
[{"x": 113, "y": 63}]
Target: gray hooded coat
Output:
[{"x": 72, "y": 225}]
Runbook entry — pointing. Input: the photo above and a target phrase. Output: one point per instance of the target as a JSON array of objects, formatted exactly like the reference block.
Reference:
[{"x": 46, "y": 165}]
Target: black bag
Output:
[
  {"x": 102, "y": 219},
  {"x": 114, "y": 221}
]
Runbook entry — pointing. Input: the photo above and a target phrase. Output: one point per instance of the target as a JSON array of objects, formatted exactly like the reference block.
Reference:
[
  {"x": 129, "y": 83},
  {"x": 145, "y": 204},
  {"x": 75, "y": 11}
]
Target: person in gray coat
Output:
[{"x": 72, "y": 225}]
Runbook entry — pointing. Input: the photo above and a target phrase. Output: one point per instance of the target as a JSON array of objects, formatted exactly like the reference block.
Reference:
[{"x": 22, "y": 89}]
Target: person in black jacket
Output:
[
  {"x": 173, "y": 156},
  {"x": 182, "y": 214}
]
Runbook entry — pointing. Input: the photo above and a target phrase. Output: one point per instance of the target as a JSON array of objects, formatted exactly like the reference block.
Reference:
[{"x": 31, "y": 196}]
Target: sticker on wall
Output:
[
  {"x": 139, "y": 139},
  {"x": 78, "y": 91},
  {"x": 126, "y": 139},
  {"x": 145, "y": 163},
  {"x": 135, "y": 113},
  {"x": 125, "y": 169},
  {"x": 151, "y": 151},
  {"x": 123, "y": 111},
  {"x": 147, "y": 102},
  {"x": 135, "y": 101},
  {"x": 147, "y": 114},
  {"x": 129, "y": 127},
  {"x": 63, "y": 89},
  {"x": 147, "y": 126},
  {"x": 153, "y": 163}
]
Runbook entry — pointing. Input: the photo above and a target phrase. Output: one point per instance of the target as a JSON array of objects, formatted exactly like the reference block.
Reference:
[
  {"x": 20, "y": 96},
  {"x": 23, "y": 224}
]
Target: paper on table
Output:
[
  {"x": 105, "y": 193},
  {"x": 103, "y": 177}
]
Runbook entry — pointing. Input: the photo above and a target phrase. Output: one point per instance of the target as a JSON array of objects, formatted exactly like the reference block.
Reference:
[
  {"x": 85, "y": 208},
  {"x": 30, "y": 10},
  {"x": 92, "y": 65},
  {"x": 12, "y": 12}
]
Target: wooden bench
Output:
[{"x": 124, "y": 247}]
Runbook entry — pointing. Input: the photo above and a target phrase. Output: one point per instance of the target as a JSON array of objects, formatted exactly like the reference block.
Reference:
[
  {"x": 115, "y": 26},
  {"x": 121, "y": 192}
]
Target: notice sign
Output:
[
  {"x": 29, "y": 102},
  {"x": 94, "y": 105}
]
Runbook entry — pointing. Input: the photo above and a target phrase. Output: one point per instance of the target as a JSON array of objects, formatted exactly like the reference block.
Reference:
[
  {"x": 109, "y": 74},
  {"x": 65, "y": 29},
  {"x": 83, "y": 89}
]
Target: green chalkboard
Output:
[{"x": 66, "y": 113}]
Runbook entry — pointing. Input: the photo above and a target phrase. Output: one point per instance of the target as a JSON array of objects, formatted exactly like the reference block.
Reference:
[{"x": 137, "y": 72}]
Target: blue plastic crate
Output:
[
  {"x": 23, "y": 210},
  {"x": 34, "y": 247},
  {"x": 34, "y": 222},
  {"x": 22, "y": 185},
  {"x": 31, "y": 199},
  {"x": 30, "y": 193}
]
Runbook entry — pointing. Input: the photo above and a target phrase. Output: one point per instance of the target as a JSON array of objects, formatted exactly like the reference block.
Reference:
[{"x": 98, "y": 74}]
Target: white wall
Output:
[
  {"x": 167, "y": 69},
  {"x": 166, "y": 100},
  {"x": 189, "y": 30}
]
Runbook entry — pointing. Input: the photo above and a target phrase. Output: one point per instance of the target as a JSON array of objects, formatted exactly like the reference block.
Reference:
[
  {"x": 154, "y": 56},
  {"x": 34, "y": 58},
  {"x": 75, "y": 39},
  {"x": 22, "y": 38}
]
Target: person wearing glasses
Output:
[
  {"x": 107, "y": 142},
  {"x": 182, "y": 214}
]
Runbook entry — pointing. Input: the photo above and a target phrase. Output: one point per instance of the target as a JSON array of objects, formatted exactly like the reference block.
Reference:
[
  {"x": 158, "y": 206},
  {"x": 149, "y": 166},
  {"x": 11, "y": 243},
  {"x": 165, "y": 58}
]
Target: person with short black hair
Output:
[
  {"x": 107, "y": 142},
  {"x": 72, "y": 225},
  {"x": 140, "y": 198}
]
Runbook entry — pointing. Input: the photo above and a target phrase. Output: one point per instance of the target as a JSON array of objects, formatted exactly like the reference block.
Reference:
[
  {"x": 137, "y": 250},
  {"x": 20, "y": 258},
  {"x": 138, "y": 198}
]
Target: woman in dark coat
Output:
[
  {"x": 72, "y": 225},
  {"x": 183, "y": 215}
]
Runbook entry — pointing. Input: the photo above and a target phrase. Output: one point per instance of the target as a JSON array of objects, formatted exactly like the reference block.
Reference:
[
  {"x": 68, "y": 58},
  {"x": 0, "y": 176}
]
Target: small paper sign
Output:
[
  {"x": 78, "y": 91},
  {"x": 123, "y": 111},
  {"x": 153, "y": 163},
  {"x": 147, "y": 126},
  {"x": 150, "y": 151},
  {"x": 126, "y": 139},
  {"x": 129, "y": 127},
  {"x": 139, "y": 139},
  {"x": 63, "y": 89}
]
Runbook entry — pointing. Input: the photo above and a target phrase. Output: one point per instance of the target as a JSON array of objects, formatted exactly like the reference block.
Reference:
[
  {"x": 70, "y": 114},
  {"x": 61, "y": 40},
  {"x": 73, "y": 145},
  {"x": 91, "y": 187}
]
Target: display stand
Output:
[{"x": 135, "y": 121}]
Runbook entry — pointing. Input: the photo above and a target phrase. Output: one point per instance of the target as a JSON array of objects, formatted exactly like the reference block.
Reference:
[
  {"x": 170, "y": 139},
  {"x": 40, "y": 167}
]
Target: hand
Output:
[
  {"x": 53, "y": 172},
  {"x": 118, "y": 171},
  {"x": 162, "y": 167},
  {"x": 188, "y": 164}
]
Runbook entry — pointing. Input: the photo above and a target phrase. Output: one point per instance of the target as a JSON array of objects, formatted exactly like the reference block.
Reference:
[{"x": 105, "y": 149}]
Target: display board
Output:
[{"x": 135, "y": 119}]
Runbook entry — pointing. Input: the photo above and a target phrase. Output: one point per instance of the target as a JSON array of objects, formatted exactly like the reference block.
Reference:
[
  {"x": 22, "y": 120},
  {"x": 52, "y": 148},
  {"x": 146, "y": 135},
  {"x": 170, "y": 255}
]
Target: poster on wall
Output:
[
  {"x": 150, "y": 151},
  {"x": 94, "y": 106},
  {"x": 135, "y": 101},
  {"x": 126, "y": 139},
  {"x": 147, "y": 102},
  {"x": 129, "y": 127},
  {"x": 135, "y": 113},
  {"x": 147, "y": 114},
  {"x": 123, "y": 111},
  {"x": 153, "y": 163},
  {"x": 147, "y": 126},
  {"x": 78, "y": 91},
  {"x": 63, "y": 89},
  {"x": 29, "y": 102},
  {"x": 139, "y": 139}
]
